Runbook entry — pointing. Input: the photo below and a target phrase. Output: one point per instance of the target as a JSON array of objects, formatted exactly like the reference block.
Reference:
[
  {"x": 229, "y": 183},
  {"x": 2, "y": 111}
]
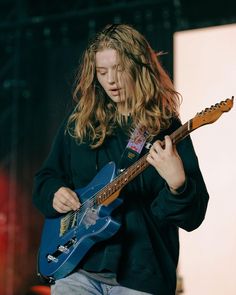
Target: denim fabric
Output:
[{"x": 79, "y": 284}]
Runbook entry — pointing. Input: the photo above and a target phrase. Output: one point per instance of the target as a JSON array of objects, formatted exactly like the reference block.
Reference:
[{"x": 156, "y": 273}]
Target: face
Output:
[{"x": 109, "y": 74}]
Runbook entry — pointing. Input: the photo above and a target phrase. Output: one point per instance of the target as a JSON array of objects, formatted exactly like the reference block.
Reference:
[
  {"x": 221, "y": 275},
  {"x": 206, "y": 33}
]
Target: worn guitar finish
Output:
[{"x": 66, "y": 239}]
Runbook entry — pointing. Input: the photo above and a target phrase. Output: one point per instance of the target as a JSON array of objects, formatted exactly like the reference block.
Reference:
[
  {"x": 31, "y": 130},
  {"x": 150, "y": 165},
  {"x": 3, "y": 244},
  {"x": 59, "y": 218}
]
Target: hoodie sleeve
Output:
[
  {"x": 187, "y": 208},
  {"x": 54, "y": 173}
]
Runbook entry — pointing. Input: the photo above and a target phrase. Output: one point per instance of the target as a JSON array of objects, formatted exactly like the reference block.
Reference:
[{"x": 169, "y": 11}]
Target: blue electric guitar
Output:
[{"x": 66, "y": 239}]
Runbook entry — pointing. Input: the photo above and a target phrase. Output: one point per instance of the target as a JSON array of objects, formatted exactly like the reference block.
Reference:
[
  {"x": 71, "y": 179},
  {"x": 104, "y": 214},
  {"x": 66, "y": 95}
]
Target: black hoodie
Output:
[{"x": 144, "y": 252}]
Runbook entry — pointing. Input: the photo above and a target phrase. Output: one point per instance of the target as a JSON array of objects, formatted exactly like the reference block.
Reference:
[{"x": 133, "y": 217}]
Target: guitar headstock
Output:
[{"x": 210, "y": 115}]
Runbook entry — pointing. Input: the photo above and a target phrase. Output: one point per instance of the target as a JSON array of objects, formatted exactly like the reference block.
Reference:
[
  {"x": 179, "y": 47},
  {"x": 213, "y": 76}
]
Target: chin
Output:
[{"x": 116, "y": 98}]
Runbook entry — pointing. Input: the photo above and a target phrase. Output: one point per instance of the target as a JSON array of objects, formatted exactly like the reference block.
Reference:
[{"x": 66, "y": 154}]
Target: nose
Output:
[{"x": 111, "y": 77}]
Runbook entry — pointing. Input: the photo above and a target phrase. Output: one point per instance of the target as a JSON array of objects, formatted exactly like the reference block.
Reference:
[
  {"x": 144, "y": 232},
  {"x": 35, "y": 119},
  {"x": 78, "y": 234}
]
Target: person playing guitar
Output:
[{"x": 113, "y": 212}]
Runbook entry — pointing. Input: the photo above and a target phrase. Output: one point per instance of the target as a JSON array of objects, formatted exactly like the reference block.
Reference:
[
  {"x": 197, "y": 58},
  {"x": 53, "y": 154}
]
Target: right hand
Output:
[{"x": 65, "y": 200}]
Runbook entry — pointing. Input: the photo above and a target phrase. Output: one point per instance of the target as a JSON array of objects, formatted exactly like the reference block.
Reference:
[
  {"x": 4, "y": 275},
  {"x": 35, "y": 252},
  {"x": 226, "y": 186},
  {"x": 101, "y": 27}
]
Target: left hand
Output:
[{"x": 168, "y": 163}]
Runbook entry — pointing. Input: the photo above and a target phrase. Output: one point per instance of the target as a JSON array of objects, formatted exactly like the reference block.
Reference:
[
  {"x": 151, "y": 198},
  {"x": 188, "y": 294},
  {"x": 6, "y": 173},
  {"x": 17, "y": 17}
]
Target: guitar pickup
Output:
[
  {"x": 70, "y": 243},
  {"x": 63, "y": 249}
]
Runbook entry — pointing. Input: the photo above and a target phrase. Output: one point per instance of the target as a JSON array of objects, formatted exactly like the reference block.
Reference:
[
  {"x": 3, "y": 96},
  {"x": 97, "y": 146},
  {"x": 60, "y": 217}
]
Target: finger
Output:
[
  {"x": 150, "y": 159},
  {"x": 75, "y": 200},
  {"x": 60, "y": 207},
  {"x": 69, "y": 198},
  {"x": 156, "y": 147},
  {"x": 152, "y": 156},
  {"x": 63, "y": 208},
  {"x": 168, "y": 143},
  {"x": 70, "y": 202}
]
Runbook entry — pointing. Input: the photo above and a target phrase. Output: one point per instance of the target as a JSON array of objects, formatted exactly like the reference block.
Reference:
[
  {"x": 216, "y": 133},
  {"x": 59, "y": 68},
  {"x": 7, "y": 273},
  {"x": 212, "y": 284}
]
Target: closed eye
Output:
[{"x": 101, "y": 73}]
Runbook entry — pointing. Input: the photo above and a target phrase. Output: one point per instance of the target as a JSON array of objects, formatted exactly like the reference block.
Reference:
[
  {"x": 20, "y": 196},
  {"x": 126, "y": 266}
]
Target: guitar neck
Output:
[
  {"x": 111, "y": 191},
  {"x": 181, "y": 132},
  {"x": 135, "y": 169}
]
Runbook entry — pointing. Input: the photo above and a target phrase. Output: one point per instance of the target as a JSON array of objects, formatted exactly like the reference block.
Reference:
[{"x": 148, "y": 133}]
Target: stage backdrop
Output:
[{"x": 205, "y": 73}]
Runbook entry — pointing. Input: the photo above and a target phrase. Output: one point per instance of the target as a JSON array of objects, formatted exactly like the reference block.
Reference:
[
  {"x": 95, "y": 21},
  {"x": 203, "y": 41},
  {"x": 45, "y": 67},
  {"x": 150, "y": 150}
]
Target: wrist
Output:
[{"x": 178, "y": 190}]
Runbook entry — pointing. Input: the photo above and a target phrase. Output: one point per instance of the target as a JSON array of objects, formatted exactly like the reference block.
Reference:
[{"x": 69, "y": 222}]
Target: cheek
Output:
[{"x": 101, "y": 81}]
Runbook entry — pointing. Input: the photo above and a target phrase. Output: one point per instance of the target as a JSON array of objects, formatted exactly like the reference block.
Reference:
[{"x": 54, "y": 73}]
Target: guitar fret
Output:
[
  {"x": 180, "y": 133},
  {"x": 121, "y": 180},
  {"x": 135, "y": 169}
]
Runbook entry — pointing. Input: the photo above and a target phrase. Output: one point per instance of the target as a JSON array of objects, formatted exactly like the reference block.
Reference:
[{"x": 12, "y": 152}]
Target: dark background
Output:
[{"x": 40, "y": 47}]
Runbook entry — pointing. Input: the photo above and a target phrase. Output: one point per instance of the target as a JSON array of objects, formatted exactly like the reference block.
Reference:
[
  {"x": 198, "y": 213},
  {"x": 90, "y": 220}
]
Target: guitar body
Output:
[{"x": 66, "y": 239}]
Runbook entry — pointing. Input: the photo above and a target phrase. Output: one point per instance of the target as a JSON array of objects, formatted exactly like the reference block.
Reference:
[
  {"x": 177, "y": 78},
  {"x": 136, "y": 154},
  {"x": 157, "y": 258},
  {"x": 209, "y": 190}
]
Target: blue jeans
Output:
[{"x": 79, "y": 284}]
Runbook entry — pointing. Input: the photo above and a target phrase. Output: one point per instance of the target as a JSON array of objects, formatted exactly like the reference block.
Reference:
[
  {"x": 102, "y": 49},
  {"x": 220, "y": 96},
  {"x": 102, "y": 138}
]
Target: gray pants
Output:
[{"x": 80, "y": 284}]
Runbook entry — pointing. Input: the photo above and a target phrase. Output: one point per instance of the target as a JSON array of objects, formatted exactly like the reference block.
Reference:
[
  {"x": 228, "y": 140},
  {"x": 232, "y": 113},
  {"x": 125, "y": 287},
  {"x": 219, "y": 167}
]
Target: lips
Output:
[{"x": 115, "y": 91}]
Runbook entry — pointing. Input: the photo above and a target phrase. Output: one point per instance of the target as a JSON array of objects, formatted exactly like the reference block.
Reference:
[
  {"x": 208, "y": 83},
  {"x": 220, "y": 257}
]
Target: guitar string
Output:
[
  {"x": 177, "y": 134},
  {"x": 91, "y": 200},
  {"x": 181, "y": 132}
]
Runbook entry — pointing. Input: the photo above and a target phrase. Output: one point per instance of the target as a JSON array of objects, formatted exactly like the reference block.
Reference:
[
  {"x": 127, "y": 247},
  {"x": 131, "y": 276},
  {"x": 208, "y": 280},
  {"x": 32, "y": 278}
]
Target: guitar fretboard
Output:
[{"x": 135, "y": 169}]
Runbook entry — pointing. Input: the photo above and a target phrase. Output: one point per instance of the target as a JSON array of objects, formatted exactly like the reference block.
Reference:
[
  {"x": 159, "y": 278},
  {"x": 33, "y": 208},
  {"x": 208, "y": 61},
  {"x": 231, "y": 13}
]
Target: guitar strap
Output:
[{"x": 133, "y": 148}]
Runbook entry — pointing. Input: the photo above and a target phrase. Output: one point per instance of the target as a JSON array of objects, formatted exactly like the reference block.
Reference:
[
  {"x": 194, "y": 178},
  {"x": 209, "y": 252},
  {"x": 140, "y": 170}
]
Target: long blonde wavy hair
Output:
[{"x": 151, "y": 98}]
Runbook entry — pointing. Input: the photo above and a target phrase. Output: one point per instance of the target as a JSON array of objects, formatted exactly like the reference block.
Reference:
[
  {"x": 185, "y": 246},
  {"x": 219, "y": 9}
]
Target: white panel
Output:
[{"x": 205, "y": 73}]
